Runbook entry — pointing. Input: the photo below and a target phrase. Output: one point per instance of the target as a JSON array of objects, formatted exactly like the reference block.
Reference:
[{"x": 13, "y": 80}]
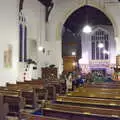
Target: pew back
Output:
[
  {"x": 88, "y": 101},
  {"x": 96, "y": 92},
  {"x": 82, "y": 110}
]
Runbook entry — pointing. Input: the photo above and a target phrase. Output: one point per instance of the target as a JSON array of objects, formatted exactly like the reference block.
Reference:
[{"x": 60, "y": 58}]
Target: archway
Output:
[
  {"x": 71, "y": 10},
  {"x": 72, "y": 39}
]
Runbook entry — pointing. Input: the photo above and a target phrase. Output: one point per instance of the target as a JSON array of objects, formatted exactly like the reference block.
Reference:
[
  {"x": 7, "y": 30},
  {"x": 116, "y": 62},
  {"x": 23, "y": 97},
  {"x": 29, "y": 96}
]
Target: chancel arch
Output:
[
  {"x": 96, "y": 5},
  {"x": 90, "y": 56}
]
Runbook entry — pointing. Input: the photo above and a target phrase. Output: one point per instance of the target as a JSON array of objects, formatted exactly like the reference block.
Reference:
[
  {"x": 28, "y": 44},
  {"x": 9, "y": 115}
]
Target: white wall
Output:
[
  {"x": 34, "y": 13},
  {"x": 35, "y": 16},
  {"x": 8, "y": 35},
  {"x": 32, "y": 48}
]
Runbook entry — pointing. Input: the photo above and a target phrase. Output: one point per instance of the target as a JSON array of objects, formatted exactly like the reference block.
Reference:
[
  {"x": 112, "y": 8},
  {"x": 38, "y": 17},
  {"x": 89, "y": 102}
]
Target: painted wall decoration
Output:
[{"x": 8, "y": 57}]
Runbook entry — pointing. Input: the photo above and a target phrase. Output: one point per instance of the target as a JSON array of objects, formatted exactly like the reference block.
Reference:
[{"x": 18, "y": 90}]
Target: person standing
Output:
[{"x": 69, "y": 82}]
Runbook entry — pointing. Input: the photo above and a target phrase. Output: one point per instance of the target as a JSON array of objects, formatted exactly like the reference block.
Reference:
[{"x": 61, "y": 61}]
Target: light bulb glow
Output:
[
  {"x": 74, "y": 63},
  {"x": 40, "y": 48},
  {"x": 87, "y": 29},
  {"x": 106, "y": 52},
  {"x": 73, "y": 53},
  {"x": 101, "y": 45}
]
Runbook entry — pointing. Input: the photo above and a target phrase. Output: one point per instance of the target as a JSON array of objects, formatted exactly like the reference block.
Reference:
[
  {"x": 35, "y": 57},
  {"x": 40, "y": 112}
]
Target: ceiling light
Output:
[
  {"x": 40, "y": 48},
  {"x": 73, "y": 53},
  {"x": 74, "y": 63},
  {"x": 87, "y": 29},
  {"x": 101, "y": 45}
]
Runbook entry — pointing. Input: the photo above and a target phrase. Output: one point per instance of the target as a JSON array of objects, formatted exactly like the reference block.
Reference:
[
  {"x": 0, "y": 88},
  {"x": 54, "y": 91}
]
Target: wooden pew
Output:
[
  {"x": 50, "y": 90},
  {"x": 27, "y": 116},
  {"x": 110, "y": 85},
  {"x": 93, "y": 98},
  {"x": 33, "y": 85},
  {"x": 39, "y": 89},
  {"x": 35, "y": 82},
  {"x": 50, "y": 93},
  {"x": 96, "y": 93},
  {"x": 27, "y": 92},
  {"x": 95, "y": 89},
  {"x": 86, "y": 101},
  {"x": 14, "y": 100},
  {"x": 71, "y": 112},
  {"x": 59, "y": 86},
  {"x": 63, "y": 88}
]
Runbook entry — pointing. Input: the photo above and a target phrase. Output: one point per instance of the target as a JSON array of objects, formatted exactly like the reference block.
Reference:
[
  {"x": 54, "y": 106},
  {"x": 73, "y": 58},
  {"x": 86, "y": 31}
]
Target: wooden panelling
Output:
[{"x": 68, "y": 63}]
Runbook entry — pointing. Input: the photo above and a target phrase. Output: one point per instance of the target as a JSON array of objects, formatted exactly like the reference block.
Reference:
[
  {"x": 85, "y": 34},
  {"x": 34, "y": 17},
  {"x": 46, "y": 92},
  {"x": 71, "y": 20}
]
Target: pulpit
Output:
[{"x": 48, "y": 72}]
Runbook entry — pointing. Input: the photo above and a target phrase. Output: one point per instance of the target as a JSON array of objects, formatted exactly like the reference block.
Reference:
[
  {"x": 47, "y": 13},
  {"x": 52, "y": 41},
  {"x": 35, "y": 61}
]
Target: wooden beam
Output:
[
  {"x": 46, "y": 3},
  {"x": 21, "y": 5},
  {"x": 48, "y": 7}
]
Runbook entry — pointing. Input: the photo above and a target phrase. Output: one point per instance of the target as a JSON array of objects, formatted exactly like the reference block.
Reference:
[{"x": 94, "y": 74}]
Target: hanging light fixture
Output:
[{"x": 87, "y": 28}]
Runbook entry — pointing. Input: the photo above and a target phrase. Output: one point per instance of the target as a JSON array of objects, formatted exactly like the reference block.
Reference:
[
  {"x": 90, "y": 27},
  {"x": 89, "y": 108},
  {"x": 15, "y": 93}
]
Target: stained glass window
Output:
[{"x": 99, "y": 36}]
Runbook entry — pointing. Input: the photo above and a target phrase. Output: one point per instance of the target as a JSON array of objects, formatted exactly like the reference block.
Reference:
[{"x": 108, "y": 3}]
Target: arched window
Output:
[{"x": 100, "y": 53}]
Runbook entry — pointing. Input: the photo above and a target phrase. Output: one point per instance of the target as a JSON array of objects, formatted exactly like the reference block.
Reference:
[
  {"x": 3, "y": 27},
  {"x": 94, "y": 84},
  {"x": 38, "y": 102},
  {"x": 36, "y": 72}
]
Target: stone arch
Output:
[{"x": 95, "y": 5}]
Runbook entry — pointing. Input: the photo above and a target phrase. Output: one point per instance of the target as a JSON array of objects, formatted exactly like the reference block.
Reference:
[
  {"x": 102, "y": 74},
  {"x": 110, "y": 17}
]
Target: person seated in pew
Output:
[
  {"x": 79, "y": 81},
  {"x": 108, "y": 78}
]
